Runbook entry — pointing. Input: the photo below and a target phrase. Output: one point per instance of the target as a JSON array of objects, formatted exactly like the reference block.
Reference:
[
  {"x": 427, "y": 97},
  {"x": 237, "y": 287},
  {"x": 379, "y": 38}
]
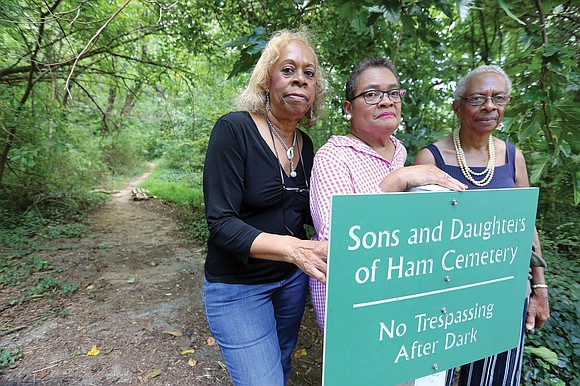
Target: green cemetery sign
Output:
[{"x": 422, "y": 282}]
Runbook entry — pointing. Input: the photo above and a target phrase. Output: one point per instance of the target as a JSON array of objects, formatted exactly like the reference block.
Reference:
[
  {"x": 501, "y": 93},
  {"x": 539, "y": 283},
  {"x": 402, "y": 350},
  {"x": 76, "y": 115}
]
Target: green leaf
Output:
[
  {"x": 359, "y": 24},
  {"x": 153, "y": 373},
  {"x": 538, "y": 168},
  {"x": 409, "y": 24},
  {"x": 507, "y": 10},
  {"x": 392, "y": 16},
  {"x": 257, "y": 47},
  {"x": 569, "y": 111},
  {"x": 391, "y": 10},
  {"x": 530, "y": 131},
  {"x": 240, "y": 41},
  {"x": 533, "y": 95},
  {"x": 565, "y": 148},
  {"x": 544, "y": 353},
  {"x": 243, "y": 64},
  {"x": 348, "y": 9},
  {"x": 251, "y": 48},
  {"x": 550, "y": 51}
]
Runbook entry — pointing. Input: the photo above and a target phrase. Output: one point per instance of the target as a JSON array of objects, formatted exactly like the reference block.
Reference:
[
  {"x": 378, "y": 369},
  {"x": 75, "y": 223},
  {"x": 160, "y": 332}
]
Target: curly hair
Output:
[{"x": 253, "y": 97}]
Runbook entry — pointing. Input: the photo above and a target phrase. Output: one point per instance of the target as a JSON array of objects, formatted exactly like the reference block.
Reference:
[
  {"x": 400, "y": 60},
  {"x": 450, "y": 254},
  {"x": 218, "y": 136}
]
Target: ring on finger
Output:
[{"x": 445, "y": 176}]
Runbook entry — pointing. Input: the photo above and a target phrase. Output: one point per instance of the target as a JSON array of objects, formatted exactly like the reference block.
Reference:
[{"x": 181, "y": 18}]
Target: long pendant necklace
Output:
[
  {"x": 289, "y": 150},
  {"x": 462, "y": 161}
]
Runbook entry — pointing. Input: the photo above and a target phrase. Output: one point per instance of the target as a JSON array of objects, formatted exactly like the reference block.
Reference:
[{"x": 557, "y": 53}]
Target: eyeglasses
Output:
[
  {"x": 291, "y": 190},
  {"x": 297, "y": 190},
  {"x": 373, "y": 97},
  {"x": 478, "y": 99}
]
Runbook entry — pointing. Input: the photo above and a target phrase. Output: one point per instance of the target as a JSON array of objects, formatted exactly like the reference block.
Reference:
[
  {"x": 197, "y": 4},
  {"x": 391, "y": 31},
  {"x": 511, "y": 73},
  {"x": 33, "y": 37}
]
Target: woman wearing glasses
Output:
[
  {"x": 369, "y": 159},
  {"x": 255, "y": 183},
  {"x": 474, "y": 156}
]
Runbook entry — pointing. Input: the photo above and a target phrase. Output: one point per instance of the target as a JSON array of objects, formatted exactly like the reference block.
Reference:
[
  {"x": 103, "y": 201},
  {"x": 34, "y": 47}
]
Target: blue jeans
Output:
[{"x": 256, "y": 327}]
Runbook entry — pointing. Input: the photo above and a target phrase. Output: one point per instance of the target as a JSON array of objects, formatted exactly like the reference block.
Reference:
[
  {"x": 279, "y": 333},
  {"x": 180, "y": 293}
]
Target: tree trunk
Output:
[
  {"x": 29, "y": 85},
  {"x": 109, "y": 109},
  {"x": 131, "y": 99}
]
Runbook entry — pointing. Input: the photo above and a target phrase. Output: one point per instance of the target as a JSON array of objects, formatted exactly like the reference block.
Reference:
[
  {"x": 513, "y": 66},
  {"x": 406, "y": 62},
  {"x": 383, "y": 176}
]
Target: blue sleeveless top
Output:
[{"x": 504, "y": 176}]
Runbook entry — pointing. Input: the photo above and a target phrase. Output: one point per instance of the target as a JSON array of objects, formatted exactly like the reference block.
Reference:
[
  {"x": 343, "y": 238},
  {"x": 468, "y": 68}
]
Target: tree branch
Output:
[
  {"x": 101, "y": 50},
  {"x": 544, "y": 74},
  {"x": 104, "y": 120},
  {"x": 78, "y": 57}
]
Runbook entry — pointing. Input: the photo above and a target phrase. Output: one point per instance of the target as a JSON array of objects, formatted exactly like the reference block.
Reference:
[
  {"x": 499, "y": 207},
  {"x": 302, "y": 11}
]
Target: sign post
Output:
[{"x": 423, "y": 282}]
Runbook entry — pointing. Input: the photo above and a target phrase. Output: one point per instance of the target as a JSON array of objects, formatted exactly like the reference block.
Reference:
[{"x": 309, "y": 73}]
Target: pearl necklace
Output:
[
  {"x": 289, "y": 150},
  {"x": 467, "y": 172}
]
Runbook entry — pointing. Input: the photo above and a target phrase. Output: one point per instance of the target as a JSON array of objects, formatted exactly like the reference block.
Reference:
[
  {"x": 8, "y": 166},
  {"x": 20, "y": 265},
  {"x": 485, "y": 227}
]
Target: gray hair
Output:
[{"x": 464, "y": 81}]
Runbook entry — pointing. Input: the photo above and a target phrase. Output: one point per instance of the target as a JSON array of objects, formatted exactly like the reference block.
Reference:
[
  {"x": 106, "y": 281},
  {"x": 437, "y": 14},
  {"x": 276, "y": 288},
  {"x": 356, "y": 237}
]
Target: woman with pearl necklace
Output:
[{"x": 472, "y": 155}]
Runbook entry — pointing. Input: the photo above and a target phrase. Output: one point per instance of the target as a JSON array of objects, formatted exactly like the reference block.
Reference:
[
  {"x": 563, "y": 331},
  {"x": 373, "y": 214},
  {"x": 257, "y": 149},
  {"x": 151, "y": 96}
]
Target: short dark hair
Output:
[{"x": 352, "y": 81}]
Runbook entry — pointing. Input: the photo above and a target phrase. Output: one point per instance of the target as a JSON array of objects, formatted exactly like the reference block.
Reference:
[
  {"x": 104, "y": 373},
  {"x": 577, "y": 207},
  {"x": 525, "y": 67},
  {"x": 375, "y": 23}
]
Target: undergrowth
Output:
[
  {"x": 35, "y": 225},
  {"x": 32, "y": 277},
  {"x": 26, "y": 274},
  {"x": 9, "y": 357},
  {"x": 552, "y": 353}
]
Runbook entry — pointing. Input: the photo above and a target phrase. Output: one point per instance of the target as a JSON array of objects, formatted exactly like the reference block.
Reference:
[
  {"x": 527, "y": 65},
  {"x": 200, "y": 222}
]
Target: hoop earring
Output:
[
  {"x": 267, "y": 101},
  {"x": 500, "y": 126},
  {"x": 312, "y": 113}
]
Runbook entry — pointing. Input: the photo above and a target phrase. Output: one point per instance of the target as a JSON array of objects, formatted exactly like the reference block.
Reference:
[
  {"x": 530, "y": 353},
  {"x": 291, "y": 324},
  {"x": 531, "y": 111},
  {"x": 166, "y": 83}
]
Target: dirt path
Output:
[{"x": 139, "y": 303}]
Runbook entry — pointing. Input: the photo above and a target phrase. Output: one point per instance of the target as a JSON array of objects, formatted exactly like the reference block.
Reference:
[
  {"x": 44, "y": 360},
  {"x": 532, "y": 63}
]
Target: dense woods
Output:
[{"x": 92, "y": 89}]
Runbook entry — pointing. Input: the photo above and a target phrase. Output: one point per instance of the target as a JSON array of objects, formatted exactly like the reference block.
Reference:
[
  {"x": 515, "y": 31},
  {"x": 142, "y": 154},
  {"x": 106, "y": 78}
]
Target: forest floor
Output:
[{"x": 139, "y": 302}]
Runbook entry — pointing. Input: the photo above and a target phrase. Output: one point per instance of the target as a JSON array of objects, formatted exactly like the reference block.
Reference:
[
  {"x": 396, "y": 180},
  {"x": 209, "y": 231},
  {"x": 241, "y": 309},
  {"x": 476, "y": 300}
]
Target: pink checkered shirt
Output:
[{"x": 344, "y": 165}]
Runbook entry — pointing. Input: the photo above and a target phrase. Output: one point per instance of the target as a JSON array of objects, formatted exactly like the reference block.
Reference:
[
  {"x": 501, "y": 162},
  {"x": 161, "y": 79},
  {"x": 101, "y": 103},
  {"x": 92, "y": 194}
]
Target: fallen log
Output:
[
  {"x": 105, "y": 191},
  {"x": 139, "y": 194}
]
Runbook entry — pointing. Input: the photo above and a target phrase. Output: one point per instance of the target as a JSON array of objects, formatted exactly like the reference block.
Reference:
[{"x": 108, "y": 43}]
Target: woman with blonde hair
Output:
[{"x": 256, "y": 189}]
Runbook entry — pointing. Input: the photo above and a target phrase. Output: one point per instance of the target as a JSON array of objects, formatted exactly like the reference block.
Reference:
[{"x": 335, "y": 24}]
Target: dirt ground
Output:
[{"x": 139, "y": 302}]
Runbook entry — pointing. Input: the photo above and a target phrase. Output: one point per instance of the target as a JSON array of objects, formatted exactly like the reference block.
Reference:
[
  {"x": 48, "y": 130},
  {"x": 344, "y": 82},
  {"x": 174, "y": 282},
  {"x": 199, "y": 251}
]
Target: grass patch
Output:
[
  {"x": 27, "y": 240},
  {"x": 174, "y": 185}
]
